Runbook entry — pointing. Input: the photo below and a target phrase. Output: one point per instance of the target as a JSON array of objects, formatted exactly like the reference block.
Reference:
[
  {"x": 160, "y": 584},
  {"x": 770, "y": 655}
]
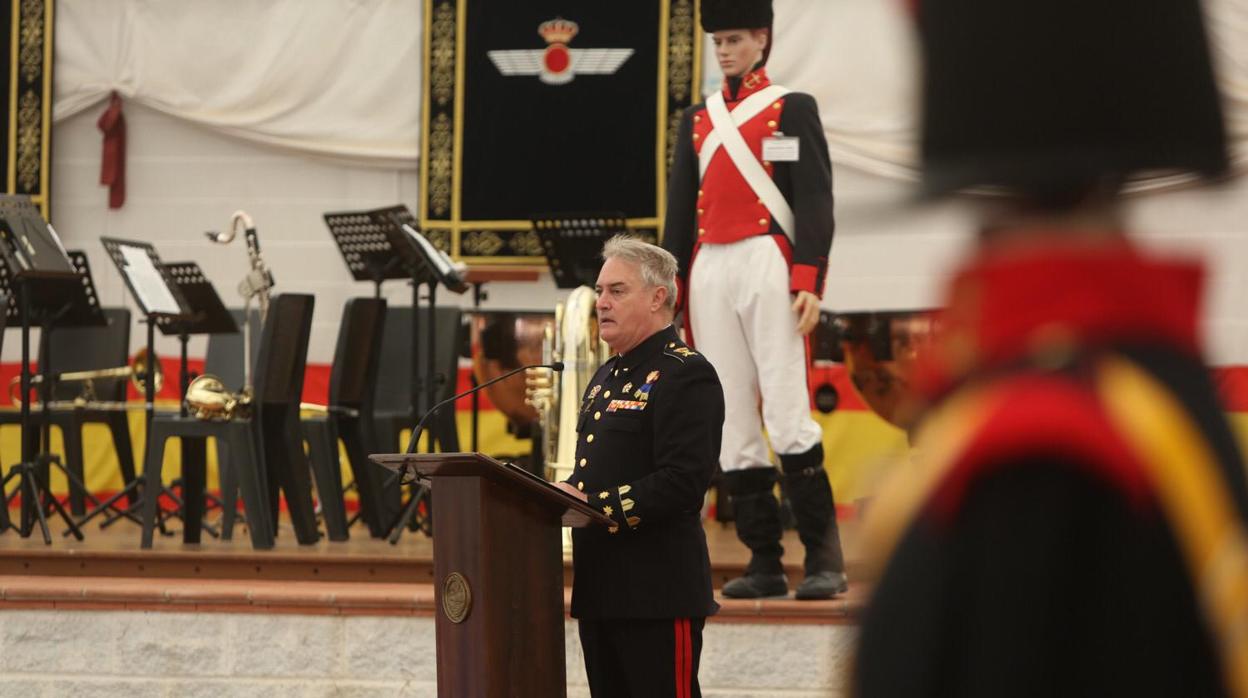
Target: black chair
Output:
[
  {"x": 352, "y": 384},
  {"x": 224, "y": 356},
  {"x": 87, "y": 349},
  {"x": 261, "y": 454},
  {"x": 394, "y": 390}
]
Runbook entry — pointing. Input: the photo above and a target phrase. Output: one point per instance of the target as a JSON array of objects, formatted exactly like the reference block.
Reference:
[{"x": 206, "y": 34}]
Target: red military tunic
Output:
[
  {"x": 719, "y": 206},
  {"x": 1039, "y": 545}
]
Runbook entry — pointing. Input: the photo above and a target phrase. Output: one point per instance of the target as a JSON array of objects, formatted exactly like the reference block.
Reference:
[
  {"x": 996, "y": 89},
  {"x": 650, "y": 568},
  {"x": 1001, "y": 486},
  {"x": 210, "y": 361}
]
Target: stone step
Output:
[{"x": 334, "y": 598}]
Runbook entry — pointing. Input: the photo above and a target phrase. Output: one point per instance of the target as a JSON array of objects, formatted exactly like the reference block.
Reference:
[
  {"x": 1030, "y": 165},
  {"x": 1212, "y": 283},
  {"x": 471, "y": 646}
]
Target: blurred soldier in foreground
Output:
[{"x": 1075, "y": 524}]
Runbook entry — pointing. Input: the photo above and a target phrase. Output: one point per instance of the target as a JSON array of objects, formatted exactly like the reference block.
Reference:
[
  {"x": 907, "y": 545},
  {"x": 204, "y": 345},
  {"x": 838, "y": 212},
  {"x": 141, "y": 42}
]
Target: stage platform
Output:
[{"x": 361, "y": 575}]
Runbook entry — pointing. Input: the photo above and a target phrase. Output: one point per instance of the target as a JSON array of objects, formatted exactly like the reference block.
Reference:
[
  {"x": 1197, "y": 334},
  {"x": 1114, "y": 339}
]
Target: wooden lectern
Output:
[{"x": 498, "y": 573}]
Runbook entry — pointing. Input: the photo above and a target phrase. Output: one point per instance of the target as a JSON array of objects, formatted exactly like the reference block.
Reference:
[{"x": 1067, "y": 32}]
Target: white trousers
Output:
[{"x": 742, "y": 319}]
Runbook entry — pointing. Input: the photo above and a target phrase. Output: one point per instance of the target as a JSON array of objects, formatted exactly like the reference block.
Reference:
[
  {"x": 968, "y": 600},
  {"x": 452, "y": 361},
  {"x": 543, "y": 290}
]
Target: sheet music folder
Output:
[
  {"x": 148, "y": 280},
  {"x": 33, "y": 259},
  {"x": 374, "y": 245},
  {"x": 572, "y": 243}
]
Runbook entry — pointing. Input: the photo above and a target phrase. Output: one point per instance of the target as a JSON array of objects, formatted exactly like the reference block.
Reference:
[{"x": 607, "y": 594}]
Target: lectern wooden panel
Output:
[{"x": 498, "y": 570}]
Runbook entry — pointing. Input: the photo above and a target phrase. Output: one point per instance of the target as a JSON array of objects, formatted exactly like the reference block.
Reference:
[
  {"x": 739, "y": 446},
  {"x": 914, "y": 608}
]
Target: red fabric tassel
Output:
[{"x": 113, "y": 161}]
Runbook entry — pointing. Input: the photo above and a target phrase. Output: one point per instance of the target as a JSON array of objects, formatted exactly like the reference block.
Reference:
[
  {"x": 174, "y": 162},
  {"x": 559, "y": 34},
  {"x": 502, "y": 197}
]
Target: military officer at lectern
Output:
[{"x": 648, "y": 439}]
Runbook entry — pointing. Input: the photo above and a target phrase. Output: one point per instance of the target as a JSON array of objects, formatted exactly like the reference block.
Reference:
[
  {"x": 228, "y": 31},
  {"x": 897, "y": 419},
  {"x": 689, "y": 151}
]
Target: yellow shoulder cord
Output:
[
  {"x": 1194, "y": 499},
  {"x": 939, "y": 444}
]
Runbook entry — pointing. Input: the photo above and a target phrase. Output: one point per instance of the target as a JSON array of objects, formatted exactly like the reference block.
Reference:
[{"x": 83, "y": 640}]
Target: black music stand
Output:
[
  {"x": 365, "y": 246},
  {"x": 378, "y": 245},
  {"x": 205, "y": 314},
  {"x": 44, "y": 284},
  {"x": 573, "y": 244},
  {"x": 161, "y": 302},
  {"x": 208, "y": 315}
]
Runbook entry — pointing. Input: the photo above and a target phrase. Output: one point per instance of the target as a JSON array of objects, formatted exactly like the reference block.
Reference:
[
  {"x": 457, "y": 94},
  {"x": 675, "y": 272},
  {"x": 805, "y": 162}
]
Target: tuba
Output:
[
  {"x": 573, "y": 340},
  {"x": 206, "y": 396}
]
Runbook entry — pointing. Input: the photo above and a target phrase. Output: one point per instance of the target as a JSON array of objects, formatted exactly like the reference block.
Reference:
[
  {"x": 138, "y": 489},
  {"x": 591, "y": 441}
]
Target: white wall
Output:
[{"x": 183, "y": 180}]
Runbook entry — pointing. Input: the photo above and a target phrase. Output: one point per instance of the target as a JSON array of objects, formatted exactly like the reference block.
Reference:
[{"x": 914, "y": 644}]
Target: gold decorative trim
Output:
[
  {"x": 442, "y": 49},
  {"x": 14, "y": 45},
  {"x": 422, "y": 208},
  {"x": 456, "y": 597},
  {"x": 441, "y": 238},
  {"x": 457, "y": 175},
  {"x": 30, "y": 100},
  {"x": 481, "y": 243},
  {"x": 29, "y": 120},
  {"x": 661, "y": 146},
  {"x": 45, "y": 150},
  {"x": 526, "y": 244},
  {"x": 441, "y": 165},
  {"x": 680, "y": 36},
  {"x": 31, "y": 54}
]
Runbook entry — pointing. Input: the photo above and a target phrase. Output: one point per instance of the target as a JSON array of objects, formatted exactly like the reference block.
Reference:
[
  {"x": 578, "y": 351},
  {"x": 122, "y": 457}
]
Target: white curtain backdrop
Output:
[
  {"x": 335, "y": 78},
  {"x": 341, "y": 78}
]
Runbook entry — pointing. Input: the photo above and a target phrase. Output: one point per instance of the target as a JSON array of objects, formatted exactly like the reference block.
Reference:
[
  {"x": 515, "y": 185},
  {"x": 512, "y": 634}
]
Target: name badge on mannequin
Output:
[{"x": 781, "y": 148}]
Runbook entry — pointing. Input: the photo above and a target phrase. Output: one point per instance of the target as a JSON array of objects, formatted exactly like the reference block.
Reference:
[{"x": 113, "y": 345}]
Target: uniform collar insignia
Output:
[{"x": 648, "y": 348}]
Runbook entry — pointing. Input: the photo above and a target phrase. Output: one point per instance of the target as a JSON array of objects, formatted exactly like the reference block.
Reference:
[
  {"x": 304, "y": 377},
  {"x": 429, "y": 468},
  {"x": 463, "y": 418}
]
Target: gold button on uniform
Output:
[
  {"x": 776, "y": 105},
  {"x": 580, "y": 486},
  {"x": 701, "y": 231},
  {"x": 701, "y": 211},
  {"x": 771, "y": 124},
  {"x": 589, "y": 439},
  {"x": 762, "y": 221},
  {"x": 696, "y": 136},
  {"x": 584, "y": 462},
  {"x": 606, "y": 394},
  {"x": 597, "y": 415},
  {"x": 699, "y": 192},
  {"x": 697, "y": 118}
]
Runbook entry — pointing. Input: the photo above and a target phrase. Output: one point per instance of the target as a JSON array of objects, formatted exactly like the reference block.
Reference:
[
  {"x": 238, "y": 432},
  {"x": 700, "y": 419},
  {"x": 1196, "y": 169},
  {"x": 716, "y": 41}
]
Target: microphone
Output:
[{"x": 419, "y": 428}]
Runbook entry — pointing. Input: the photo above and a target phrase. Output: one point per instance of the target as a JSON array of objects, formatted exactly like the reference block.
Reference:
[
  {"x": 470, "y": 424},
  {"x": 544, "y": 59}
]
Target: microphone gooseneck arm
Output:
[{"x": 420, "y": 425}]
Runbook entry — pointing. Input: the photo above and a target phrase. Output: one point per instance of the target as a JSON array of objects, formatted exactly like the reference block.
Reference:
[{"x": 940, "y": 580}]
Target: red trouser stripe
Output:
[
  {"x": 684, "y": 658},
  {"x": 680, "y": 655}
]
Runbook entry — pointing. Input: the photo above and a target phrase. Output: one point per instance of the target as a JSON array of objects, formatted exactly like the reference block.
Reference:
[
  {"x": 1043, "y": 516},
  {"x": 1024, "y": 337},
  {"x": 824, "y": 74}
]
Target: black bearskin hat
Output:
[
  {"x": 718, "y": 15},
  {"x": 1041, "y": 97}
]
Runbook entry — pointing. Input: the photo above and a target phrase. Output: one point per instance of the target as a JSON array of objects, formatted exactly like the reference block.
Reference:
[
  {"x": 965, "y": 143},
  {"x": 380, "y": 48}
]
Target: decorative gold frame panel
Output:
[
  {"x": 442, "y": 132},
  {"x": 28, "y": 88}
]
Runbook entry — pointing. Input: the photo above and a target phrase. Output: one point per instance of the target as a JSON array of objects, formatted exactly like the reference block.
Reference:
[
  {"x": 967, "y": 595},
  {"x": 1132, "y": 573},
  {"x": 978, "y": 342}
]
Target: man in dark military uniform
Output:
[
  {"x": 1077, "y": 521},
  {"x": 648, "y": 437},
  {"x": 749, "y": 218}
]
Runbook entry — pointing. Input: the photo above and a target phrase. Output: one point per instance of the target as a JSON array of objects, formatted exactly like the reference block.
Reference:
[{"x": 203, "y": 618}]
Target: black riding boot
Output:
[
  {"x": 811, "y": 496},
  {"x": 758, "y": 526}
]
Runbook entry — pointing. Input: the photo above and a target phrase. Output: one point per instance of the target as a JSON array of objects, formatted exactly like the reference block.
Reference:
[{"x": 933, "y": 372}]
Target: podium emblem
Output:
[{"x": 456, "y": 597}]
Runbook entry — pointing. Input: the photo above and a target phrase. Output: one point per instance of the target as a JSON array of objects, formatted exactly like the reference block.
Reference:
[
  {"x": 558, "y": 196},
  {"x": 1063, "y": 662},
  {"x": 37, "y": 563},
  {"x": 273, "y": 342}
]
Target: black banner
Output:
[
  {"x": 26, "y": 98},
  {"x": 549, "y": 106}
]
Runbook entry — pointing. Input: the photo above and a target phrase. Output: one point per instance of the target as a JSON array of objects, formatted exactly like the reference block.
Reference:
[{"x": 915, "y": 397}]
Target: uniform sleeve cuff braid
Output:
[
  {"x": 805, "y": 277},
  {"x": 618, "y": 506}
]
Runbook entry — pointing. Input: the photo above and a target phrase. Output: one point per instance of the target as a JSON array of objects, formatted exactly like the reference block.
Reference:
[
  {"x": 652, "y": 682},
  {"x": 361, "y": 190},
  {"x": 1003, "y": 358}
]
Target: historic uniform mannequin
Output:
[
  {"x": 749, "y": 218},
  {"x": 1076, "y": 521},
  {"x": 647, "y": 439}
]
